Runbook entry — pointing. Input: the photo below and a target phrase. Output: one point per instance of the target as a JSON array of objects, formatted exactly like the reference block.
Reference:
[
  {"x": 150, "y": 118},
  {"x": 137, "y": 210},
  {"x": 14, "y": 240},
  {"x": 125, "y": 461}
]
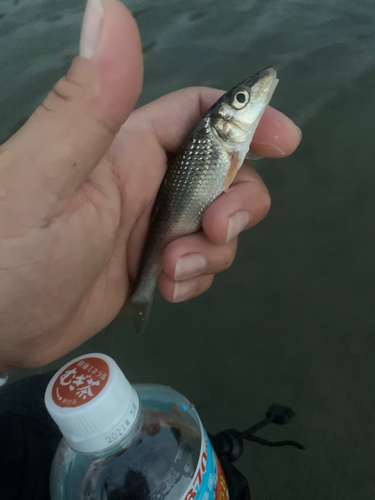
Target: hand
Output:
[{"x": 77, "y": 185}]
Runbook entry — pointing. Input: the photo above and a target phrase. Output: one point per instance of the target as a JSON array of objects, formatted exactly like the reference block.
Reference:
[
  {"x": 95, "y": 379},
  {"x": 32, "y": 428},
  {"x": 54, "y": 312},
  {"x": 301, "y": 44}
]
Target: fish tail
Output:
[
  {"x": 141, "y": 312},
  {"x": 120, "y": 317}
]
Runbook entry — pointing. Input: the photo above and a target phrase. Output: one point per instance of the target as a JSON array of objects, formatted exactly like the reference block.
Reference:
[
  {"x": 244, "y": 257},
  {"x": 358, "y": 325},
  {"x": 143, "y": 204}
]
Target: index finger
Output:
[{"x": 172, "y": 116}]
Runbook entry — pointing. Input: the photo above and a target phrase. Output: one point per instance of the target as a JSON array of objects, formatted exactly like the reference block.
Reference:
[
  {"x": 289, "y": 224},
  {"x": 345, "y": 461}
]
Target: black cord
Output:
[
  {"x": 230, "y": 441},
  {"x": 265, "y": 442}
]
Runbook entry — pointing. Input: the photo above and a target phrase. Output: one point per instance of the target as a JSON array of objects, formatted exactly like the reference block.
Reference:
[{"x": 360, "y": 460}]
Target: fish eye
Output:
[{"x": 240, "y": 99}]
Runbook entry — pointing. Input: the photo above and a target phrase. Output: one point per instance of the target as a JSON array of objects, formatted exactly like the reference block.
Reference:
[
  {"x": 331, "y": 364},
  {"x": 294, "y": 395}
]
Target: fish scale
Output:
[
  {"x": 212, "y": 153},
  {"x": 189, "y": 186}
]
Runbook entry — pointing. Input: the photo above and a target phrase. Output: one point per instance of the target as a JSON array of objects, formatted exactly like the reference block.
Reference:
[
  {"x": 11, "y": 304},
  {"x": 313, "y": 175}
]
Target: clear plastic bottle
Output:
[{"x": 124, "y": 442}]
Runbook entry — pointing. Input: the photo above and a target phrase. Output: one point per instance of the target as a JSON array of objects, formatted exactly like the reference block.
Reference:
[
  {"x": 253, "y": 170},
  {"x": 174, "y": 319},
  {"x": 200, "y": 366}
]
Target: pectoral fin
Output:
[{"x": 233, "y": 168}]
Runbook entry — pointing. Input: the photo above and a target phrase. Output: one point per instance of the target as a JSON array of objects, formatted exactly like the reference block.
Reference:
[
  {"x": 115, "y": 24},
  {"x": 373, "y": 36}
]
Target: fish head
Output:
[{"x": 237, "y": 113}]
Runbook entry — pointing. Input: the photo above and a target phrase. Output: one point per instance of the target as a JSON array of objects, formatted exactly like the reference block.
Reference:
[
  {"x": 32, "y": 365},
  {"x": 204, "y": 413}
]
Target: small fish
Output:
[{"x": 204, "y": 167}]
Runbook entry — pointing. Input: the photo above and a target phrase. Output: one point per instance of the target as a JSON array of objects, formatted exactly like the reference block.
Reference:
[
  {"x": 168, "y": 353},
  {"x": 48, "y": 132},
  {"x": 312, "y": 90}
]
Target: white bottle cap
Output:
[{"x": 92, "y": 402}]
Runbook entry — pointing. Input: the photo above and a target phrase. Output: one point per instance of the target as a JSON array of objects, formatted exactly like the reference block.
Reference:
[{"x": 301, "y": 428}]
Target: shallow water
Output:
[{"x": 293, "y": 320}]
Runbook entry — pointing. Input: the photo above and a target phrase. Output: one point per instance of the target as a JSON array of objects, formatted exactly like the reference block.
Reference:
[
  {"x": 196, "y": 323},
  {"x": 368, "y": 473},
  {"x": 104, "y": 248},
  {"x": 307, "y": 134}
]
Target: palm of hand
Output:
[
  {"x": 101, "y": 234},
  {"x": 70, "y": 259}
]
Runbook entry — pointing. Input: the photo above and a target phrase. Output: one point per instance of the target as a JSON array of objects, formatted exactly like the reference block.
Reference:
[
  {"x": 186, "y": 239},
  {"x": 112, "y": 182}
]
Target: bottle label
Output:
[
  {"x": 209, "y": 481},
  {"x": 80, "y": 382}
]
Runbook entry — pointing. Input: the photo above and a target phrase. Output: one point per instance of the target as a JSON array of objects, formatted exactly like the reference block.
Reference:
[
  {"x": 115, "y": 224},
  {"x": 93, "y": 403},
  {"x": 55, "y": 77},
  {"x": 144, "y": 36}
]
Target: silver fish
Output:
[{"x": 204, "y": 167}]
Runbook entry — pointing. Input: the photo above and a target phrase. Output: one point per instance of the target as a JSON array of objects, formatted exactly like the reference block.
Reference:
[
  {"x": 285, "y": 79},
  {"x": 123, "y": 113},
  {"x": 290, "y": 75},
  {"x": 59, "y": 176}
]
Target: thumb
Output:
[{"x": 66, "y": 137}]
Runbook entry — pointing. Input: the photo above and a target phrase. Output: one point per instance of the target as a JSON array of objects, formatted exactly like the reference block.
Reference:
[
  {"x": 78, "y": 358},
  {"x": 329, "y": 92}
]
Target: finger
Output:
[
  {"x": 195, "y": 255},
  {"x": 178, "y": 291},
  {"x": 173, "y": 116},
  {"x": 276, "y": 136},
  {"x": 69, "y": 133},
  {"x": 245, "y": 204}
]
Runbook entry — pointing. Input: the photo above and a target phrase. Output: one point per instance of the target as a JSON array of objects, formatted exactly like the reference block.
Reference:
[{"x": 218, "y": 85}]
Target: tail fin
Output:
[
  {"x": 121, "y": 315},
  {"x": 141, "y": 312}
]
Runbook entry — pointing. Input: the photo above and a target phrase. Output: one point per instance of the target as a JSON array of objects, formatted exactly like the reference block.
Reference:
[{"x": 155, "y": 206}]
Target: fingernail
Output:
[
  {"x": 237, "y": 223},
  {"x": 91, "y": 27},
  {"x": 300, "y": 133},
  {"x": 183, "y": 289},
  {"x": 189, "y": 265}
]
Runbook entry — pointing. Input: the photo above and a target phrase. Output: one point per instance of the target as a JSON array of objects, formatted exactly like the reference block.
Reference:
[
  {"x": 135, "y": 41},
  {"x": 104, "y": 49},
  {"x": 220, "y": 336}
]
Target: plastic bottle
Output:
[{"x": 123, "y": 442}]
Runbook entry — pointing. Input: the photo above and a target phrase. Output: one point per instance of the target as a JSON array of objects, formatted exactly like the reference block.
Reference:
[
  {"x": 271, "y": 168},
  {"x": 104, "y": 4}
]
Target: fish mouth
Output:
[
  {"x": 262, "y": 85},
  {"x": 263, "y": 82}
]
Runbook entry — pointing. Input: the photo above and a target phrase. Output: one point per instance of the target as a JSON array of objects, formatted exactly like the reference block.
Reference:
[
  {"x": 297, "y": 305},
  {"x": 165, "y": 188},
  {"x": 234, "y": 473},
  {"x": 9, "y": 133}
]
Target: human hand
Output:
[{"x": 77, "y": 185}]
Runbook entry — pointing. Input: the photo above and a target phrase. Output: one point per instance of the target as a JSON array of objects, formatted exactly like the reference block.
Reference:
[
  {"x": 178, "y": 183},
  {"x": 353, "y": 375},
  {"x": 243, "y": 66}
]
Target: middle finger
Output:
[{"x": 196, "y": 255}]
